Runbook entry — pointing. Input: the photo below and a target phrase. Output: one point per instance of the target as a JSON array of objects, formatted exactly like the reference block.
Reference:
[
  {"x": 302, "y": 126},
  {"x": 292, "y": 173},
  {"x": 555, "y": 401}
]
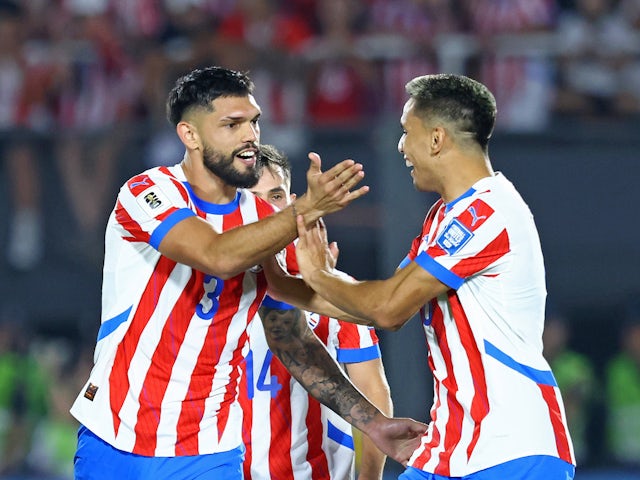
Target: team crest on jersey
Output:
[
  {"x": 454, "y": 237},
  {"x": 153, "y": 201}
]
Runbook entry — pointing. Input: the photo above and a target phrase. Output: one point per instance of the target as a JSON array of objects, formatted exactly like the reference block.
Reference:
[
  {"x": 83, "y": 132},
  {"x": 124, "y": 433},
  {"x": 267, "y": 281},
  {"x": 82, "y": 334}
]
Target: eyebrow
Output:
[{"x": 235, "y": 118}]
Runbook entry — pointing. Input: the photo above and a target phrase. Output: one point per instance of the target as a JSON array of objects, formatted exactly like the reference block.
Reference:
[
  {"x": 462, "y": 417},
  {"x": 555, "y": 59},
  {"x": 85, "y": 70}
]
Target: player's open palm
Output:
[{"x": 330, "y": 191}]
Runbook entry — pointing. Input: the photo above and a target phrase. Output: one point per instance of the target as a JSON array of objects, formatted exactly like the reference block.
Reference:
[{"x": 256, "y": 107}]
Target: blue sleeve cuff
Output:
[
  {"x": 167, "y": 224},
  {"x": 357, "y": 355},
  {"x": 434, "y": 268},
  {"x": 271, "y": 303}
]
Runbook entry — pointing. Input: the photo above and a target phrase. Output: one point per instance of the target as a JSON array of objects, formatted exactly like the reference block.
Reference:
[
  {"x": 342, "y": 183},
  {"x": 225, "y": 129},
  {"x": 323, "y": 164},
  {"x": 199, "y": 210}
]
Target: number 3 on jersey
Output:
[
  {"x": 210, "y": 302},
  {"x": 261, "y": 384}
]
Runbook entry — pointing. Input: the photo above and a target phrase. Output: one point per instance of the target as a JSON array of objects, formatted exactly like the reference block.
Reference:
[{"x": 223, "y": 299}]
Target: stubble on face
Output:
[{"x": 222, "y": 167}]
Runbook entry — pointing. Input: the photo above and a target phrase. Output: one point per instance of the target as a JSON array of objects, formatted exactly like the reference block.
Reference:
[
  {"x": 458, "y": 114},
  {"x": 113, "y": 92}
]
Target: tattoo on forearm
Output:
[{"x": 301, "y": 352}]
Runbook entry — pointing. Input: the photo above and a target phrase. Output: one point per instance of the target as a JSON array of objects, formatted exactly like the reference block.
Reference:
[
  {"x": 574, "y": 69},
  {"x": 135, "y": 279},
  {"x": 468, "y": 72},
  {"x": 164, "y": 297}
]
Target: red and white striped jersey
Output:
[
  {"x": 167, "y": 360},
  {"x": 288, "y": 435},
  {"x": 495, "y": 397}
]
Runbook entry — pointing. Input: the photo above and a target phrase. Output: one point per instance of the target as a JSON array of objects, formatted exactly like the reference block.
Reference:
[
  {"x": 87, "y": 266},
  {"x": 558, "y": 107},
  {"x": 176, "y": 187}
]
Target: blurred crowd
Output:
[{"x": 85, "y": 81}]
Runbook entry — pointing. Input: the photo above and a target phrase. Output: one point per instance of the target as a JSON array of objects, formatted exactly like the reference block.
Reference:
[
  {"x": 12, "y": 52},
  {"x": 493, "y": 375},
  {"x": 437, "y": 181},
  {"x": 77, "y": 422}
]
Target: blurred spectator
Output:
[
  {"x": 23, "y": 395},
  {"x": 96, "y": 97},
  {"x": 514, "y": 60},
  {"x": 629, "y": 10},
  {"x": 596, "y": 62},
  {"x": 23, "y": 118},
  {"x": 267, "y": 38},
  {"x": 576, "y": 379},
  {"x": 340, "y": 82},
  {"x": 179, "y": 39},
  {"x": 622, "y": 376},
  {"x": 401, "y": 38}
]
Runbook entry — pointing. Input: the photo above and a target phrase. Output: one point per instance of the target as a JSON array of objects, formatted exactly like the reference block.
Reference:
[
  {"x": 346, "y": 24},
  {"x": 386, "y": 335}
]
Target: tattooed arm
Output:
[{"x": 307, "y": 359}]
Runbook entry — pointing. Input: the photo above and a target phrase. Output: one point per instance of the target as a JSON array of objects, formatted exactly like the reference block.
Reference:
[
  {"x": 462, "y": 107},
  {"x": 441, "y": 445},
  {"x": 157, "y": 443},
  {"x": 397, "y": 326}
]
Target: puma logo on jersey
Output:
[
  {"x": 476, "y": 217},
  {"x": 140, "y": 183}
]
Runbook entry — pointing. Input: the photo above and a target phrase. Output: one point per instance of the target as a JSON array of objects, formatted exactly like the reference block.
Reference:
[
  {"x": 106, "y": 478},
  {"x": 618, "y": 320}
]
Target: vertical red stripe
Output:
[
  {"x": 453, "y": 428},
  {"x": 480, "y": 403},
  {"x": 205, "y": 369},
  {"x": 231, "y": 387},
  {"x": 436, "y": 318},
  {"x": 322, "y": 329},
  {"x": 119, "y": 377},
  {"x": 315, "y": 456},
  {"x": 161, "y": 366},
  {"x": 559, "y": 429},
  {"x": 425, "y": 456},
  {"x": 292, "y": 260},
  {"x": 247, "y": 424},
  {"x": 233, "y": 220},
  {"x": 280, "y": 420}
]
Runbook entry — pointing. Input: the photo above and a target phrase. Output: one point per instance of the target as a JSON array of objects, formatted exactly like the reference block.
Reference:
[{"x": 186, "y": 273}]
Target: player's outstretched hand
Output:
[
  {"x": 330, "y": 191},
  {"x": 313, "y": 251},
  {"x": 398, "y": 437}
]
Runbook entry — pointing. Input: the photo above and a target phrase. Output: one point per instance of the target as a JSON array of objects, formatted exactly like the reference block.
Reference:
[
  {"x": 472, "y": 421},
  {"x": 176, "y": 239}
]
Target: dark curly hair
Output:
[{"x": 200, "y": 87}]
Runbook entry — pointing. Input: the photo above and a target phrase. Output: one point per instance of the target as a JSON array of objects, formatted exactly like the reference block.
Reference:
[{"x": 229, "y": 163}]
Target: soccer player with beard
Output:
[{"x": 189, "y": 256}]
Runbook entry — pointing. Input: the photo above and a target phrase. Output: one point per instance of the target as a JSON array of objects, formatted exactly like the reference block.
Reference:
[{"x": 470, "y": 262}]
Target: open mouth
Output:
[{"x": 248, "y": 157}]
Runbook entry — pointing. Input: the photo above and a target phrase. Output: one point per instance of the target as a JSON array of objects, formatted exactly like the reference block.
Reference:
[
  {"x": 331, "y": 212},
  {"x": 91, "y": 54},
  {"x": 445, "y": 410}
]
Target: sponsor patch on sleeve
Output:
[
  {"x": 90, "y": 392},
  {"x": 153, "y": 201},
  {"x": 454, "y": 237}
]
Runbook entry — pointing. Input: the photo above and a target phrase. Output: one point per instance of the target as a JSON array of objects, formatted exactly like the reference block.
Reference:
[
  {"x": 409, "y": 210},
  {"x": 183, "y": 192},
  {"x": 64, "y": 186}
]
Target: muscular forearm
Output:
[
  {"x": 309, "y": 362},
  {"x": 347, "y": 295},
  {"x": 294, "y": 291},
  {"x": 370, "y": 379},
  {"x": 312, "y": 302},
  {"x": 194, "y": 242}
]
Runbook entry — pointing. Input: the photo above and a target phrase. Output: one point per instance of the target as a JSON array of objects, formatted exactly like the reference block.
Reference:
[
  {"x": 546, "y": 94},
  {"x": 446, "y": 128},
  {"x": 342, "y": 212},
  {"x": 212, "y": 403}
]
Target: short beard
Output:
[{"x": 223, "y": 168}]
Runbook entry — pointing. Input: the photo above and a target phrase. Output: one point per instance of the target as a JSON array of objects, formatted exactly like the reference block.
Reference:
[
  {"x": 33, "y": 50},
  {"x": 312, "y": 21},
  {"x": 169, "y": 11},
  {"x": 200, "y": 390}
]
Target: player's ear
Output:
[
  {"x": 437, "y": 139},
  {"x": 188, "y": 135},
  {"x": 292, "y": 197}
]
